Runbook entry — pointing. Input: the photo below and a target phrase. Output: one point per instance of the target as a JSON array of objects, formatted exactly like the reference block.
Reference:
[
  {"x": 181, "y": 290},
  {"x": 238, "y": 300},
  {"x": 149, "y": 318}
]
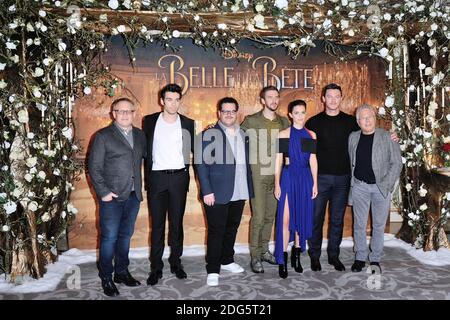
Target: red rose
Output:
[{"x": 446, "y": 147}]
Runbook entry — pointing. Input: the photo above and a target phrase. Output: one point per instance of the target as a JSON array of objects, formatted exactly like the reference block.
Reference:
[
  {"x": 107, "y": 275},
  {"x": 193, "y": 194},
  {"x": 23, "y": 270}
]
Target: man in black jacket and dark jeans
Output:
[
  {"x": 333, "y": 128},
  {"x": 170, "y": 139}
]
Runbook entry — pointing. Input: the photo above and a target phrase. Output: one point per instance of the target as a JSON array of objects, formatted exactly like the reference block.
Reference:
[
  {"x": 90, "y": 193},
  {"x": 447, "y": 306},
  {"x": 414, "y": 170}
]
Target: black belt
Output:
[{"x": 171, "y": 171}]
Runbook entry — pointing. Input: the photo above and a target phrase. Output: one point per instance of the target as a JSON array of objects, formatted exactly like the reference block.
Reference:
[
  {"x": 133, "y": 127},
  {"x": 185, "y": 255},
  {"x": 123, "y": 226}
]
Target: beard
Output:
[{"x": 272, "y": 107}]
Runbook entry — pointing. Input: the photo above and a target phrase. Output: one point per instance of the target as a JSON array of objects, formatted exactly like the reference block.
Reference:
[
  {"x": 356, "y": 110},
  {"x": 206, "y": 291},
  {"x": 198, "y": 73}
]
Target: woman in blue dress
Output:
[{"x": 295, "y": 188}]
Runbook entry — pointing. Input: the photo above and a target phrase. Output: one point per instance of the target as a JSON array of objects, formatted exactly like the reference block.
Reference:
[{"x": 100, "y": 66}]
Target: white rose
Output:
[
  {"x": 383, "y": 52},
  {"x": 259, "y": 21},
  {"x": 381, "y": 111},
  {"x": 389, "y": 102},
  {"x": 17, "y": 192},
  {"x": 42, "y": 175},
  {"x": 71, "y": 208},
  {"x": 422, "y": 192},
  {"x": 55, "y": 191},
  {"x": 327, "y": 24},
  {"x": 259, "y": 7},
  {"x": 42, "y": 13},
  {"x": 36, "y": 92},
  {"x": 3, "y": 84},
  {"x": 47, "y": 192},
  {"x": 176, "y": 33},
  {"x": 78, "y": 52},
  {"x": 67, "y": 133},
  {"x": 33, "y": 206},
  {"x": 121, "y": 28},
  {"x": 23, "y": 116},
  {"x": 344, "y": 24},
  {"x": 62, "y": 46},
  {"x": 28, "y": 177},
  {"x": 113, "y": 4},
  {"x": 10, "y": 207},
  {"x": 31, "y": 162},
  {"x": 5, "y": 228},
  {"x": 10, "y": 45},
  {"x": 281, "y": 4},
  {"x": 408, "y": 187},
  {"x": 87, "y": 90},
  {"x": 46, "y": 217}
]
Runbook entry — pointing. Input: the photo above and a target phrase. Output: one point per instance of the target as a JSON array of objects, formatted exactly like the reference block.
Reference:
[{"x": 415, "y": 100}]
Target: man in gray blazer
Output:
[
  {"x": 376, "y": 164},
  {"x": 115, "y": 162}
]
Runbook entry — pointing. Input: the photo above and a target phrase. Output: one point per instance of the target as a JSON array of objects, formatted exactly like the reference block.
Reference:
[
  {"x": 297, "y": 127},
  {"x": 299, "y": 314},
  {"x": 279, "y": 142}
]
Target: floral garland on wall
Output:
[{"x": 50, "y": 53}]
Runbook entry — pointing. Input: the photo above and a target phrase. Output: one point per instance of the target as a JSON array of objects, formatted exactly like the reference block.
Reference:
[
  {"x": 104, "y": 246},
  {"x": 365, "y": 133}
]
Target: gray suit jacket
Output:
[
  {"x": 114, "y": 165},
  {"x": 386, "y": 160}
]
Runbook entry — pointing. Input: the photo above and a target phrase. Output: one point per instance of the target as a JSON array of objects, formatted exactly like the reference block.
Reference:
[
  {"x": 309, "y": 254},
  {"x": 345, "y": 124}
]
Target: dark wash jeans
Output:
[
  {"x": 117, "y": 219},
  {"x": 334, "y": 189}
]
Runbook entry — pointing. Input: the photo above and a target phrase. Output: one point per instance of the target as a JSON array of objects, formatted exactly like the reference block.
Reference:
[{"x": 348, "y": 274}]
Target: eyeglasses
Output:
[
  {"x": 123, "y": 112},
  {"x": 366, "y": 118},
  {"x": 228, "y": 113}
]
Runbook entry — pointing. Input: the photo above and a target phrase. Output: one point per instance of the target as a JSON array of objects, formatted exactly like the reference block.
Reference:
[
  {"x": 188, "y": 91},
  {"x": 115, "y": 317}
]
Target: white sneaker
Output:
[
  {"x": 212, "y": 280},
  {"x": 232, "y": 267}
]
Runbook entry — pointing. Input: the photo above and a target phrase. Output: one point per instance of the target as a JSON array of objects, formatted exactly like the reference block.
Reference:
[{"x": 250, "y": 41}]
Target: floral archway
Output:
[{"x": 51, "y": 53}]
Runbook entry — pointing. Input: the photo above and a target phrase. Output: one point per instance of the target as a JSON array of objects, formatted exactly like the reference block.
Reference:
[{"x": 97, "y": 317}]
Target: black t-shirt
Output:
[
  {"x": 363, "y": 167},
  {"x": 332, "y": 141}
]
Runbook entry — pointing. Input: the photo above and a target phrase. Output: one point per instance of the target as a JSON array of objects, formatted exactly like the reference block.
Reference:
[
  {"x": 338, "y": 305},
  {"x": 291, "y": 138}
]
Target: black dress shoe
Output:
[
  {"x": 315, "y": 265},
  {"x": 154, "y": 277},
  {"x": 375, "y": 266},
  {"x": 127, "y": 279},
  {"x": 358, "y": 265},
  {"x": 179, "y": 272},
  {"x": 109, "y": 288},
  {"x": 337, "y": 264}
]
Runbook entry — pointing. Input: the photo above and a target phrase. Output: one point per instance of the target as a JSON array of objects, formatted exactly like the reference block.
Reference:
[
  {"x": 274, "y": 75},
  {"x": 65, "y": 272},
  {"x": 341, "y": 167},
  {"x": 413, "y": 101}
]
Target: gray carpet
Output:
[{"x": 403, "y": 277}]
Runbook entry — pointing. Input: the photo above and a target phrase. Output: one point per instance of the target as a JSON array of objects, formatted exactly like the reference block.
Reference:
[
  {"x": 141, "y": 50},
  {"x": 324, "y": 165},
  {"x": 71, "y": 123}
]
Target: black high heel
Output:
[
  {"x": 295, "y": 259},
  {"x": 282, "y": 268}
]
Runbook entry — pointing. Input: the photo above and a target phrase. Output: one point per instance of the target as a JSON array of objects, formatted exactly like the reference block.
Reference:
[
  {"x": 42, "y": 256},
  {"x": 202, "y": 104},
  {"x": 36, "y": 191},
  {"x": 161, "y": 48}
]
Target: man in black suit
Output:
[
  {"x": 170, "y": 139},
  {"x": 225, "y": 180},
  {"x": 115, "y": 162}
]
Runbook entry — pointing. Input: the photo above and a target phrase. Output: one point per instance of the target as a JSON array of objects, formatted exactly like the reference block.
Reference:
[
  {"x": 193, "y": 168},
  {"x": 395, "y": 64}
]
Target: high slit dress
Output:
[{"x": 296, "y": 184}]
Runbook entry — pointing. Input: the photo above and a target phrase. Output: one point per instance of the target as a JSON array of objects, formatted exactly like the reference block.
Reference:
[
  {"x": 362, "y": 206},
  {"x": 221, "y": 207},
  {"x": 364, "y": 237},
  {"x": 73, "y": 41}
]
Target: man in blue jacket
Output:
[{"x": 225, "y": 183}]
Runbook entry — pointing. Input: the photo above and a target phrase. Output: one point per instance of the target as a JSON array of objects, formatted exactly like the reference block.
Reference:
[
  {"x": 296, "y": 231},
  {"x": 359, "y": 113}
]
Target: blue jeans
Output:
[
  {"x": 334, "y": 189},
  {"x": 117, "y": 219}
]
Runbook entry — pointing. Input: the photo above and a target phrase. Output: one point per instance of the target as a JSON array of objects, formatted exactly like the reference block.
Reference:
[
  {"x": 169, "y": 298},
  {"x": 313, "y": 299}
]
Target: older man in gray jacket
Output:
[
  {"x": 376, "y": 164},
  {"x": 115, "y": 163}
]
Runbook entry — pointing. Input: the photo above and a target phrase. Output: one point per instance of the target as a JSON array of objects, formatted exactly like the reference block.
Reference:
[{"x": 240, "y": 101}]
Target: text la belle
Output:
[{"x": 209, "y": 77}]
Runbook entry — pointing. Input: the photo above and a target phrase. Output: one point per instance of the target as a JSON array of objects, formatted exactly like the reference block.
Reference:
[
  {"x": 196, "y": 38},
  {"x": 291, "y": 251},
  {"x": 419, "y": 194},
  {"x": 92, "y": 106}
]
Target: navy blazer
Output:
[{"x": 216, "y": 174}]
